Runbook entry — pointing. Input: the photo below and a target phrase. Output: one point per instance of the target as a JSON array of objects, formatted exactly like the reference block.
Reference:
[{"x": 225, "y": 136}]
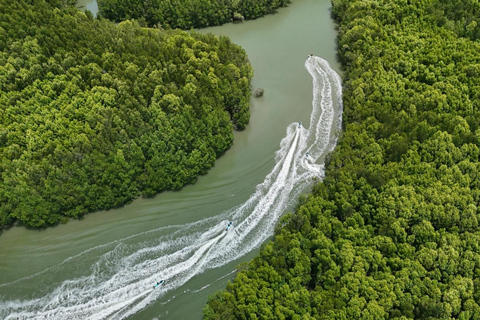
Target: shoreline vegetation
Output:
[
  {"x": 392, "y": 232},
  {"x": 187, "y": 14},
  {"x": 92, "y": 114}
]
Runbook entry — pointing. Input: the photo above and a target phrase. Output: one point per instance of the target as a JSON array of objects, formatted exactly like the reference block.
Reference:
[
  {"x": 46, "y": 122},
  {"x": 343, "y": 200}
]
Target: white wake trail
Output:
[{"x": 119, "y": 281}]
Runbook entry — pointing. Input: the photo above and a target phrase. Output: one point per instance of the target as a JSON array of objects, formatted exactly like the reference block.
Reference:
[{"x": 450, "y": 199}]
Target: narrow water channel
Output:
[{"x": 113, "y": 254}]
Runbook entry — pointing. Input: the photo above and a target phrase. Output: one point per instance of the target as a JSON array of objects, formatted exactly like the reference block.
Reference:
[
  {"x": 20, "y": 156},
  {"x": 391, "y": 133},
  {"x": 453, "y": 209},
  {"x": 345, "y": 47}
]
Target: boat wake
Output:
[{"x": 122, "y": 273}]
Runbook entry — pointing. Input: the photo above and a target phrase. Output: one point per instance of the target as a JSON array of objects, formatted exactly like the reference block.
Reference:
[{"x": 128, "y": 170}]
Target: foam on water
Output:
[{"x": 120, "y": 280}]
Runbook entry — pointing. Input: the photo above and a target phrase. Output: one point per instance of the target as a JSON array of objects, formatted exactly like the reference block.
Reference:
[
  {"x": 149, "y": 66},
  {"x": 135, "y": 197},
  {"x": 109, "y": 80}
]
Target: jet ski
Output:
[
  {"x": 300, "y": 124},
  {"x": 159, "y": 283},
  {"x": 229, "y": 225}
]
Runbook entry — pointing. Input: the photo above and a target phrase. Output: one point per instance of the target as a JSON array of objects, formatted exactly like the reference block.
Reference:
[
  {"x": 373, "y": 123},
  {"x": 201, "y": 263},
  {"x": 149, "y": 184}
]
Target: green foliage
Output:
[
  {"x": 93, "y": 114},
  {"x": 463, "y": 18},
  {"x": 392, "y": 232},
  {"x": 187, "y": 14}
]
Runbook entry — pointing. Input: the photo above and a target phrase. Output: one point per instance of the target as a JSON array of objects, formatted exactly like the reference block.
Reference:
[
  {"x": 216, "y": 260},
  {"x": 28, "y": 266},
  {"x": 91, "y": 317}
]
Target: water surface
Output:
[{"x": 90, "y": 5}]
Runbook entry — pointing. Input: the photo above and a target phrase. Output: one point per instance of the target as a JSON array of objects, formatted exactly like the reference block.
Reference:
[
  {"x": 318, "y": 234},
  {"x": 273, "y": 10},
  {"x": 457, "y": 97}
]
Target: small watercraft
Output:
[
  {"x": 159, "y": 283},
  {"x": 229, "y": 225}
]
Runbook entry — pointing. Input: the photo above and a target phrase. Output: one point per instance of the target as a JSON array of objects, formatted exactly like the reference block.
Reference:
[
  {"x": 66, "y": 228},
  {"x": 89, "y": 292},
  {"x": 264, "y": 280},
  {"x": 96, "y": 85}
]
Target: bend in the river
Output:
[{"x": 105, "y": 266}]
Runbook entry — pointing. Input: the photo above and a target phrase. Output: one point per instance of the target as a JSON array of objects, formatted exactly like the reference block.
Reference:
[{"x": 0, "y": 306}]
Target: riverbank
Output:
[{"x": 119, "y": 111}]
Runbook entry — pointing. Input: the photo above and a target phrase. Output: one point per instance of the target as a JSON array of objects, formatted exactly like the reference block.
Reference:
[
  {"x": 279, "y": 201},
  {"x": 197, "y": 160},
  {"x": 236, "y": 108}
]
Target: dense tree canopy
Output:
[
  {"x": 93, "y": 114},
  {"x": 186, "y": 14},
  {"x": 393, "y": 231}
]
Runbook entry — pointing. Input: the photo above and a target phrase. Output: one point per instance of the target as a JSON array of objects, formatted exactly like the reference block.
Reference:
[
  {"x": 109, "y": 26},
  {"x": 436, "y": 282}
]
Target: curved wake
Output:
[{"x": 120, "y": 281}]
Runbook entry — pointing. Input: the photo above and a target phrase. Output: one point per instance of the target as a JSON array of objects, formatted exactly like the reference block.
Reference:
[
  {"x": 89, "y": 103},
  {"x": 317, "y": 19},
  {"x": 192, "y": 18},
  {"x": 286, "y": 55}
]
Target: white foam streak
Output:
[{"x": 120, "y": 281}]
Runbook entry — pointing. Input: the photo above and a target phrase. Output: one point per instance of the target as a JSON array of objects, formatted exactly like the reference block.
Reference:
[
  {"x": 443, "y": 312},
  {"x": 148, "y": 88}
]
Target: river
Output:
[{"x": 104, "y": 266}]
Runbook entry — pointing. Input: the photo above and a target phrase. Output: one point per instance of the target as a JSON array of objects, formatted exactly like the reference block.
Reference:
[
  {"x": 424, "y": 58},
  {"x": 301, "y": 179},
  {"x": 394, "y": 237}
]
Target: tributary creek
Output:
[{"x": 105, "y": 266}]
